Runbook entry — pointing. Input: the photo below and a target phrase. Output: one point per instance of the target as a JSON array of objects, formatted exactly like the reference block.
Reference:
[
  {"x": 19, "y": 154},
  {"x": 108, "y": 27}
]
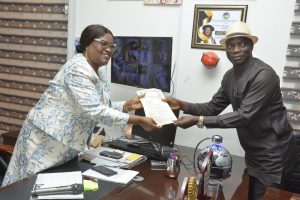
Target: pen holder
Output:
[{"x": 173, "y": 167}]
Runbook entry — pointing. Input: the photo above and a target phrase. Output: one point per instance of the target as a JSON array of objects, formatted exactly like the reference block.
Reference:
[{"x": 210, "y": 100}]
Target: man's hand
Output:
[
  {"x": 186, "y": 121},
  {"x": 173, "y": 103}
]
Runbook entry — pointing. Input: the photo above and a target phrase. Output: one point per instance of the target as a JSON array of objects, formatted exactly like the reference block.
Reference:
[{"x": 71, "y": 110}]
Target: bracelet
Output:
[{"x": 200, "y": 123}]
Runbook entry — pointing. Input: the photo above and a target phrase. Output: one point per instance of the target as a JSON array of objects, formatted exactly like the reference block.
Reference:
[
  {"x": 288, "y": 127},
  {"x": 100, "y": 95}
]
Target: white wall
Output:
[{"x": 269, "y": 20}]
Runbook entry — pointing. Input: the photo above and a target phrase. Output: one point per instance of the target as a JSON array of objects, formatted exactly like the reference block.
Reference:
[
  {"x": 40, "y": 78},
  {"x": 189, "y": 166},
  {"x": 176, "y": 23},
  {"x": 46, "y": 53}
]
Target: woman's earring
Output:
[{"x": 86, "y": 54}]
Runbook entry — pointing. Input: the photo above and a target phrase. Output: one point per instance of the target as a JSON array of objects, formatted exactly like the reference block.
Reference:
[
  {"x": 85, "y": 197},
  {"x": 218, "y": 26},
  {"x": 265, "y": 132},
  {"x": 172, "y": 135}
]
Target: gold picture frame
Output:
[
  {"x": 163, "y": 2},
  {"x": 214, "y": 19}
]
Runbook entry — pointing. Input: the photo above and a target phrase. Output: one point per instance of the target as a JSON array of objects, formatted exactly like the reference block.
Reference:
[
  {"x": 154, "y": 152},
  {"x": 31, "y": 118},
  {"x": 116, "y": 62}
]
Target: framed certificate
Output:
[{"x": 211, "y": 22}]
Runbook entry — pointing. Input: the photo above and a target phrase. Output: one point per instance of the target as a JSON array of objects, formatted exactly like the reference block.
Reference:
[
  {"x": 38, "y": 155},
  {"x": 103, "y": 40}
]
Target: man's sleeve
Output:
[
  {"x": 218, "y": 103},
  {"x": 258, "y": 96}
]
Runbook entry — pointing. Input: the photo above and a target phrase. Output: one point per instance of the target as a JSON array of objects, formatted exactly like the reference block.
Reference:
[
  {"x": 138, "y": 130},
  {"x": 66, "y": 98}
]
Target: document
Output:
[
  {"x": 49, "y": 180},
  {"x": 155, "y": 108},
  {"x": 123, "y": 176}
]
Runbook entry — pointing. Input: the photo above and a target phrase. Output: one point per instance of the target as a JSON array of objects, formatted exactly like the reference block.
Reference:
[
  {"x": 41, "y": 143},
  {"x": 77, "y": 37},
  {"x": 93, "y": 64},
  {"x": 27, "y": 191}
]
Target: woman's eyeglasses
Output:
[{"x": 104, "y": 44}]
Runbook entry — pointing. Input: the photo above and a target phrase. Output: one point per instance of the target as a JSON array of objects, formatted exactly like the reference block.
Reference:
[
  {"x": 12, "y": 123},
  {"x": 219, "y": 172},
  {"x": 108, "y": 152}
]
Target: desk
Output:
[
  {"x": 158, "y": 186},
  {"x": 21, "y": 189},
  {"x": 155, "y": 185},
  {"x": 277, "y": 194}
]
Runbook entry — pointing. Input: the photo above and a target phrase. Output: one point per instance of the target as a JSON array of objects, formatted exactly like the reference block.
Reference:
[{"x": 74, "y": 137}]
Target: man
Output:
[{"x": 259, "y": 116}]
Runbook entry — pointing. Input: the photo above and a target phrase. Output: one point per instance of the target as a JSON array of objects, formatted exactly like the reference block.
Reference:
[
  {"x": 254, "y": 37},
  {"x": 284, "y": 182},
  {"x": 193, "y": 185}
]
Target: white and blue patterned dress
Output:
[{"x": 58, "y": 127}]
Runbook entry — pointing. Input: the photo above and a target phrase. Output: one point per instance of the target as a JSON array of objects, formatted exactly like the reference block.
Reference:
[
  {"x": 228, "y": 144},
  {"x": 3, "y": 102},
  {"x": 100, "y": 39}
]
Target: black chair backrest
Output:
[
  {"x": 293, "y": 182},
  {"x": 297, "y": 138}
]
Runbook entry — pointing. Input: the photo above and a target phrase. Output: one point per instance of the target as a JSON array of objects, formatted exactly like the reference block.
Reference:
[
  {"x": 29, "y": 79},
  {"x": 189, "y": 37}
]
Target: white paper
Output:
[
  {"x": 45, "y": 180},
  {"x": 151, "y": 93},
  {"x": 123, "y": 176},
  {"x": 155, "y": 108},
  {"x": 105, "y": 162}
]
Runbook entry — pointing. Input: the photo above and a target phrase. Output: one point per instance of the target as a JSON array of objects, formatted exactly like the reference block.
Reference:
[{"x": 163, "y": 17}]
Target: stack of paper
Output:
[
  {"x": 50, "y": 180},
  {"x": 132, "y": 159},
  {"x": 128, "y": 160}
]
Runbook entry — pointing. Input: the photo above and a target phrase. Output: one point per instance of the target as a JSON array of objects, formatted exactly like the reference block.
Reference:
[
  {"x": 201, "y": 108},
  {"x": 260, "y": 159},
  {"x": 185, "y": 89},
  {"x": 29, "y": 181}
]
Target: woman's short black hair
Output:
[
  {"x": 208, "y": 26},
  {"x": 89, "y": 34}
]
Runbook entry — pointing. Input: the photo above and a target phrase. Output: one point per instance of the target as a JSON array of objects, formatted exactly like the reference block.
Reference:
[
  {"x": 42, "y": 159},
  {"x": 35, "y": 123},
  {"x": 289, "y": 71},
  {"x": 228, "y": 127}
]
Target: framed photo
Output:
[
  {"x": 211, "y": 22},
  {"x": 170, "y": 2}
]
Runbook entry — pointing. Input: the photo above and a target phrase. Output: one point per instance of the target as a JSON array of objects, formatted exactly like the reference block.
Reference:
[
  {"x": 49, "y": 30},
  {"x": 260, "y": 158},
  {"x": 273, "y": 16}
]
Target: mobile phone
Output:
[
  {"x": 111, "y": 154},
  {"x": 104, "y": 170}
]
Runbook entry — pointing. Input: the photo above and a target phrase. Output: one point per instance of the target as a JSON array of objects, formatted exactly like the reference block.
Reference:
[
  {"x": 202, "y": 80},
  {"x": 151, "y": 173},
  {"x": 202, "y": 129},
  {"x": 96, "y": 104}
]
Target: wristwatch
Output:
[{"x": 200, "y": 123}]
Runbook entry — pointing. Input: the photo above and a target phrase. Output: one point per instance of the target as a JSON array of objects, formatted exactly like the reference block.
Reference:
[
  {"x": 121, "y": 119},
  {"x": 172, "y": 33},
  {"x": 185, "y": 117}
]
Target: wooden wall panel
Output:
[
  {"x": 33, "y": 46},
  {"x": 291, "y": 75}
]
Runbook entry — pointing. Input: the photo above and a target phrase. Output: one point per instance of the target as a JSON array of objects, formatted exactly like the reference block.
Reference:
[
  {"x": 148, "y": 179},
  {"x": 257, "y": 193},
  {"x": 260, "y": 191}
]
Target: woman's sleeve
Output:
[
  {"x": 88, "y": 102},
  {"x": 118, "y": 105}
]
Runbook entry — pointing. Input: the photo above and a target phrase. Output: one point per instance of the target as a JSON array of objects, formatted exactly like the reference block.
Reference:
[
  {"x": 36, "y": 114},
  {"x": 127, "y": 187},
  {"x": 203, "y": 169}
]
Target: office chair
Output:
[
  {"x": 5, "y": 155},
  {"x": 4, "y": 160},
  {"x": 6, "y": 150},
  {"x": 293, "y": 182}
]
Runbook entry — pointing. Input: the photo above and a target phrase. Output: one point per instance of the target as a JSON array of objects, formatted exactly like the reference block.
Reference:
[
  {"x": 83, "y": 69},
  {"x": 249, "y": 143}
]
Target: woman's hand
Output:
[
  {"x": 133, "y": 104},
  {"x": 186, "y": 121},
  {"x": 148, "y": 124}
]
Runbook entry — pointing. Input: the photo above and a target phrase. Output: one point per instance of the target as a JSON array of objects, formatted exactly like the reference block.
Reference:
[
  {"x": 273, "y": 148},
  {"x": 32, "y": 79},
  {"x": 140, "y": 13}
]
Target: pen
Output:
[
  {"x": 155, "y": 146},
  {"x": 171, "y": 156}
]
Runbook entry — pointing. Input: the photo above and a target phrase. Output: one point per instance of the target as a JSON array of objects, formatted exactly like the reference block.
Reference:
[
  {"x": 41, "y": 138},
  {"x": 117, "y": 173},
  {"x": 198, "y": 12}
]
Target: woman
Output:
[
  {"x": 206, "y": 34},
  {"x": 77, "y": 99}
]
